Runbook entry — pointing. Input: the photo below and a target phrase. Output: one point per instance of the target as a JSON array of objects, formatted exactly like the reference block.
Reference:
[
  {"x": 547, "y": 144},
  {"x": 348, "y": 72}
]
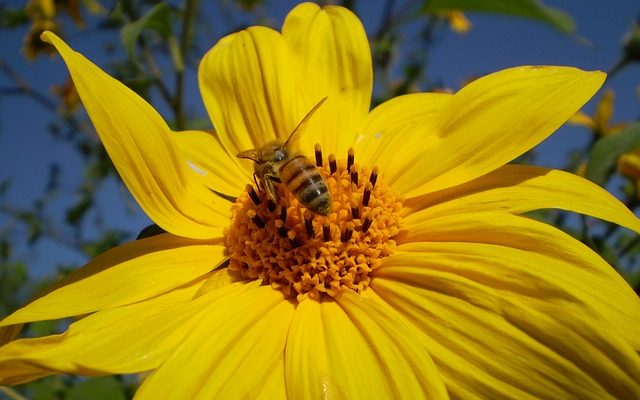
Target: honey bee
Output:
[{"x": 276, "y": 163}]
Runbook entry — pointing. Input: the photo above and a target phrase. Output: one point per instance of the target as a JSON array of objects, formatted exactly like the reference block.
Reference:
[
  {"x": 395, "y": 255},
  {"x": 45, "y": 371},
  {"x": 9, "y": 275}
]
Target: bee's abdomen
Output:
[{"x": 303, "y": 180}]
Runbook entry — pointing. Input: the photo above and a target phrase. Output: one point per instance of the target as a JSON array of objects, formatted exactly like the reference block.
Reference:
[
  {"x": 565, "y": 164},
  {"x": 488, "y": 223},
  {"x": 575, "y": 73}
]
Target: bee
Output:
[{"x": 276, "y": 163}]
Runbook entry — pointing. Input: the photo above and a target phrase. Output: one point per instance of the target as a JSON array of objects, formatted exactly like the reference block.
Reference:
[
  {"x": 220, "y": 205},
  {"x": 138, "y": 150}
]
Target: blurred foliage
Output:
[{"x": 150, "y": 46}]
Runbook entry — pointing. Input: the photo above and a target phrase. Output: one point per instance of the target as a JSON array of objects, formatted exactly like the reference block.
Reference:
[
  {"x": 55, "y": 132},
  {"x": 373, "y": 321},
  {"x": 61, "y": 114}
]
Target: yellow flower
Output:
[
  {"x": 457, "y": 21},
  {"x": 600, "y": 123},
  {"x": 629, "y": 166},
  {"x": 449, "y": 292},
  {"x": 42, "y": 14}
]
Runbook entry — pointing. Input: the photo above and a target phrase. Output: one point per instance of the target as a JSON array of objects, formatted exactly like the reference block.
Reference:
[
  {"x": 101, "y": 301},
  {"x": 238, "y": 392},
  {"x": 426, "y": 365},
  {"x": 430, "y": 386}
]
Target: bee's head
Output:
[
  {"x": 274, "y": 151},
  {"x": 271, "y": 152}
]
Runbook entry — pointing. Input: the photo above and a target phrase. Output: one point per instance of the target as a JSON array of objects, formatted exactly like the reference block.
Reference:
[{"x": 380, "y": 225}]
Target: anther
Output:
[
  {"x": 366, "y": 196},
  {"x": 253, "y": 195},
  {"x": 258, "y": 221},
  {"x": 366, "y": 225},
  {"x": 354, "y": 177},
  {"x": 318, "y": 152},
  {"x": 326, "y": 232},
  {"x": 283, "y": 213},
  {"x": 293, "y": 239},
  {"x": 333, "y": 167},
  {"x": 271, "y": 205},
  {"x": 346, "y": 235},
  {"x": 373, "y": 177},
  {"x": 355, "y": 210},
  {"x": 350, "y": 158},
  {"x": 282, "y": 230},
  {"x": 308, "y": 223}
]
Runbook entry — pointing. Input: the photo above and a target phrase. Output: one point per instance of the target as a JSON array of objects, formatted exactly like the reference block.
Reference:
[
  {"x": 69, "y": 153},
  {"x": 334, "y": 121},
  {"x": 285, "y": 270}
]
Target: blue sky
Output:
[{"x": 26, "y": 148}]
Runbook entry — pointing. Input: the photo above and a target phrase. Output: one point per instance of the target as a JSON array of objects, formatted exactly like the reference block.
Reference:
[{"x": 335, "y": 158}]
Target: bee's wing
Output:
[
  {"x": 253, "y": 154},
  {"x": 304, "y": 121}
]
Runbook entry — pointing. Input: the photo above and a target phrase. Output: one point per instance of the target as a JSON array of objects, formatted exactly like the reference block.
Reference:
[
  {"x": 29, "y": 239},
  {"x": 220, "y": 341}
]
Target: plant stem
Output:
[{"x": 185, "y": 36}]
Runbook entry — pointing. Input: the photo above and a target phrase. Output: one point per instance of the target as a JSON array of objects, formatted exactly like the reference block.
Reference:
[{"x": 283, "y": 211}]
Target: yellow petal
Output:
[
  {"x": 209, "y": 159},
  {"x": 273, "y": 387},
  {"x": 126, "y": 339},
  {"x": 576, "y": 266},
  {"x": 331, "y": 354},
  {"x": 331, "y": 58},
  {"x": 604, "y": 111},
  {"x": 123, "y": 275},
  {"x": 458, "y": 21},
  {"x": 493, "y": 120},
  {"x": 247, "y": 87},
  {"x": 144, "y": 152},
  {"x": 241, "y": 335},
  {"x": 519, "y": 189},
  {"x": 487, "y": 343},
  {"x": 397, "y": 345},
  {"x": 390, "y": 125},
  {"x": 582, "y": 119}
]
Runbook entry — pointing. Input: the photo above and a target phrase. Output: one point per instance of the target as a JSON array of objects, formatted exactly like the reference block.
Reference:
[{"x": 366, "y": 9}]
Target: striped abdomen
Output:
[{"x": 302, "y": 179}]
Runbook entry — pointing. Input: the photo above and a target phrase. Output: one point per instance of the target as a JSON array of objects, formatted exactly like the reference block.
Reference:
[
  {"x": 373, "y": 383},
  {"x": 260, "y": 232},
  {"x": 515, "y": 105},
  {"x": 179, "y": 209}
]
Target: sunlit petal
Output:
[
  {"x": 490, "y": 343},
  {"x": 141, "y": 147},
  {"x": 145, "y": 332},
  {"x": 493, "y": 120},
  {"x": 255, "y": 61},
  {"x": 574, "y": 267},
  {"x": 331, "y": 52},
  {"x": 123, "y": 275},
  {"x": 390, "y": 127},
  {"x": 204, "y": 152},
  {"x": 519, "y": 189},
  {"x": 333, "y": 353},
  {"x": 252, "y": 323}
]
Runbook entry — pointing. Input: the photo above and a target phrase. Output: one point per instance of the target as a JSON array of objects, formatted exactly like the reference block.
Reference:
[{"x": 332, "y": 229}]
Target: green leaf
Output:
[
  {"x": 603, "y": 156},
  {"x": 107, "y": 388},
  {"x": 157, "y": 19},
  {"x": 531, "y": 9},
  {"x": 13, "y": 17}
]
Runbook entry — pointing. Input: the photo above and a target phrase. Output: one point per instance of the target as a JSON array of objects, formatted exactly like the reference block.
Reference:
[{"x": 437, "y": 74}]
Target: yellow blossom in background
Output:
[
  {"x": 600, "y": 122},
  {"x": 457, "y": 21},
  {"x": 629, "y": 166},
  {"x": 424, "y": 281},
  {"x": 42, "y": 14}
]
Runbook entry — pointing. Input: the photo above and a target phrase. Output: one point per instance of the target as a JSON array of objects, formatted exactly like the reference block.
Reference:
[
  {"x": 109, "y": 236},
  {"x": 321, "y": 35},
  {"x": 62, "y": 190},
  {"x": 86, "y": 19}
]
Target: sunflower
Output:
[{"x": 425, "y": 279}]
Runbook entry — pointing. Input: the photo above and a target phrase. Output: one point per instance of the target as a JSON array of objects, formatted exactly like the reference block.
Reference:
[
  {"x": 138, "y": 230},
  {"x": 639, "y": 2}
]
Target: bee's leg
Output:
[
  {"x": 255, "y": 180},
  {"x": 269, "y": 185}
]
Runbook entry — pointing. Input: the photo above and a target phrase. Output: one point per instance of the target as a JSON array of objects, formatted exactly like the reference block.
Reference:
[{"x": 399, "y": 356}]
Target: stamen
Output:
[
  {"x": 346, "y": 235},
  {"x": 258, "y": 221},
  {"x": 308, "y": 223},
  {"x": 366, "y": 196},
  {"x": 286, "y": 245},
  {"x": 318, "y": 152},
  {"x": 355, "y": 210},
  {"x": 350, "y": 158},
  {"x": 293, "y": 239},
  {"x": 326, "y": 232},
  {"x": 354, "y": 177},
  {"x": 333, "y": 167},
  {"x": 282, "y": 230},
  {"x": 373, "y": 177},
  {"x": 253, "y": 195},
  {"x": 366, "y": 225}
]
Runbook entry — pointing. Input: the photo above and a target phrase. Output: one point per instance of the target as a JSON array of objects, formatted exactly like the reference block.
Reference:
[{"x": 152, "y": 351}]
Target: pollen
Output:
[{"x": 307, "y": 255}]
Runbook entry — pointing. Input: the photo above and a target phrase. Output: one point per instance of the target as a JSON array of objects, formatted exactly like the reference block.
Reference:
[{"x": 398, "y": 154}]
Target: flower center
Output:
[{"x": 310, "y": 255}]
